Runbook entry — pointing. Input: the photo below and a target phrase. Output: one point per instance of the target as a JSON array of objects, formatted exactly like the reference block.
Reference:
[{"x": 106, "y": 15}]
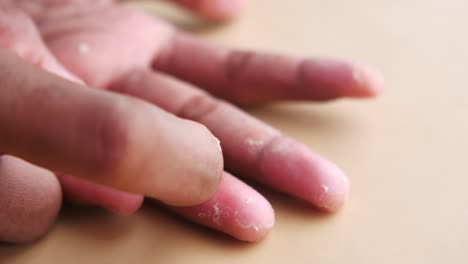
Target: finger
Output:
[
  {"x": 20, "y": 35},
  {"x": 251, "y": 148},
  {"x": 235, "y": 209},
  {"x": 214, "y": 9},
  {"x": 107, "y": 138},
  {"x": 30, "y": 199},
  {"x": 253, "y": 77},
  {"x": 87, "y": 193}
]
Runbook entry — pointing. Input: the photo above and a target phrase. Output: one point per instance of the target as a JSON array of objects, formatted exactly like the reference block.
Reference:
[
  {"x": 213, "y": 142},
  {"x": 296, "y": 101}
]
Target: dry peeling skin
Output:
[
  {"x": 83, "y": 48},
  {"x": 294, "y": 169},
  {"x": 251, "y": 148},
  {"x": 235, "y": 209}
]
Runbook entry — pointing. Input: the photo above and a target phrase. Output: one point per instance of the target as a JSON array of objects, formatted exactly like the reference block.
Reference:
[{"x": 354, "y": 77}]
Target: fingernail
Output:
[{"x": 333, "y": 191}]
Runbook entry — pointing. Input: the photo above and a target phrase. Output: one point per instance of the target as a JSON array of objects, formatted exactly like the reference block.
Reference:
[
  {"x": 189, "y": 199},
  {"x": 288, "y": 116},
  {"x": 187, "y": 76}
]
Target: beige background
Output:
[{"x": 406, "y": 152}]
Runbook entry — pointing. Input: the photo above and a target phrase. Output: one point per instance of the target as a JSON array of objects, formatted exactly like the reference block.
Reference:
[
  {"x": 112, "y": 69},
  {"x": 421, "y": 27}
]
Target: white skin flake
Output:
[
  {"x": 282, "y": 148},
  {"x": 201, "y": 215},
  {"x": 249, "y": 226},
  {"x": 254, "y": 142},
  {"x": 219, "y": 213},
  {"x": 219, "y": 144},
  {"x": 83, "y": 48},
  {"x": 325, "y": 188},
  {"x": 249, "y": 200},
  {"x": 324, "y": 193},
  {"x": 216, "y": 214},
  {"x": 253, "y": 226}
]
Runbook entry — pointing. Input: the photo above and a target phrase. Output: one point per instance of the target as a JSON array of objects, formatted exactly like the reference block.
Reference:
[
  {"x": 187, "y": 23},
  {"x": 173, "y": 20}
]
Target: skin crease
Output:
[{"x": 80, "y": 36}]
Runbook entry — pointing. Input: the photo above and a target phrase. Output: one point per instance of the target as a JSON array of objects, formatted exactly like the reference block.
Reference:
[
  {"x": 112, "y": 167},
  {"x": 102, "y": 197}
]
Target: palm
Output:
[{"x": 99, "y": 45}]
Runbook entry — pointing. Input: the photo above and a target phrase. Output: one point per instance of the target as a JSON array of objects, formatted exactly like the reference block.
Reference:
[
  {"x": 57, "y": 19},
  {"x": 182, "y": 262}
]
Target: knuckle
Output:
[
  {"x": 236, "y": 63},
  {"x": 198, "y": 106},
  {"x": 117, "y": 136},
  {"x": 132, "y": 78}
]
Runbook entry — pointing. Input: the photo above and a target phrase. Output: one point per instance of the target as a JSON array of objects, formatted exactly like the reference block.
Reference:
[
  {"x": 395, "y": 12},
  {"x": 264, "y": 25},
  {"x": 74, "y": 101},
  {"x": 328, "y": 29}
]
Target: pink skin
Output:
[
  {"x": 252, "y": 149},
  {"x": 87, "y": 193},
  {"x": 235, "y": 209}
]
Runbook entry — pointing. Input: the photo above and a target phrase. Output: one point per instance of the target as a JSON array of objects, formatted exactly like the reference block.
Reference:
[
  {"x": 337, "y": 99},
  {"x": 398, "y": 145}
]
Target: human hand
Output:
[{"x": 136, "y": 148}]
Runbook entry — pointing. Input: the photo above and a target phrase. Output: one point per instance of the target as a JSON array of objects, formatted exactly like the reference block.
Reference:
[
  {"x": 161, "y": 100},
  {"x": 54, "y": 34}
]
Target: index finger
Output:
[{"x": 110, "y": 139}]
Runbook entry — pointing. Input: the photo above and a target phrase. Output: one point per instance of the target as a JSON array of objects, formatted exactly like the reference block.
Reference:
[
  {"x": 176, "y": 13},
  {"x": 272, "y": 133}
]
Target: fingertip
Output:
[
  {"x": 235, "y": 209},
  {"x": 196, "y": 157},
  {"x": 369, "y": 82},
  {"x": 330, "y": 79},
  {"x": 292, "y": 168},
  {"x": 215, "y": 165},
  {"x": 221, "y": 9},
  {"x": 216, "y": 10},
  {"x": 255, "y": 222},
  {"x": 253, "y": 216},
  {"x": 333, "y": 190}
]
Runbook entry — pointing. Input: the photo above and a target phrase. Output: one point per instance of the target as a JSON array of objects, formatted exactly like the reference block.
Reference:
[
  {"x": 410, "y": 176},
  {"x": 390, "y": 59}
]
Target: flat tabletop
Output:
[{"x": 405, "y": 152}]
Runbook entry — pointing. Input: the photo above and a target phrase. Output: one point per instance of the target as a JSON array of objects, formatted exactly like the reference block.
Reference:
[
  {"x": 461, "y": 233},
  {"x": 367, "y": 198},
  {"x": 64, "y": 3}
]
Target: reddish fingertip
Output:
[
  {"x": 330, "y": 79},
  {"x": 368, "y": 81},
  {"x": 220, "y": 9}
]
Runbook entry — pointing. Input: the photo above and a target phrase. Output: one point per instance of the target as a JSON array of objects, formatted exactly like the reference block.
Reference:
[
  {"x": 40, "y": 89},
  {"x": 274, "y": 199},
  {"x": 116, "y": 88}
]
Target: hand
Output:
[{"x": 123, "y": 141}]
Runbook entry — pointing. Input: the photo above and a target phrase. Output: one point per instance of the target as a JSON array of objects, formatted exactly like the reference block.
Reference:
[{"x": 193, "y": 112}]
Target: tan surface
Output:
[{"x": 406, "y": 153}]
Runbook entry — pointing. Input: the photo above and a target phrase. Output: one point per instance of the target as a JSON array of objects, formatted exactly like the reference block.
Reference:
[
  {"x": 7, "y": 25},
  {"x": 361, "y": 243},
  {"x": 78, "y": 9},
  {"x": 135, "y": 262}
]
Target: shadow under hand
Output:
[
  {"x": 307, "y": 118},
  {"x": 165, "y": 233},
  {"x": 84, "y": 234}
]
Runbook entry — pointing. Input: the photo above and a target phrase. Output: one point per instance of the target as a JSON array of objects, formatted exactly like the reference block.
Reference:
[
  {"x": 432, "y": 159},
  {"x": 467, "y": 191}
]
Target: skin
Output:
[{"x": 150, "y": 127}]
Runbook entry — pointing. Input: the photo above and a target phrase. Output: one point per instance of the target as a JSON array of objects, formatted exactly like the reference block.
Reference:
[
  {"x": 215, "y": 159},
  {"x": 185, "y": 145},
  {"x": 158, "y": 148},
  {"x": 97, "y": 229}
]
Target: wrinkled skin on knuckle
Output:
[{"x": 116, "y": 146}]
